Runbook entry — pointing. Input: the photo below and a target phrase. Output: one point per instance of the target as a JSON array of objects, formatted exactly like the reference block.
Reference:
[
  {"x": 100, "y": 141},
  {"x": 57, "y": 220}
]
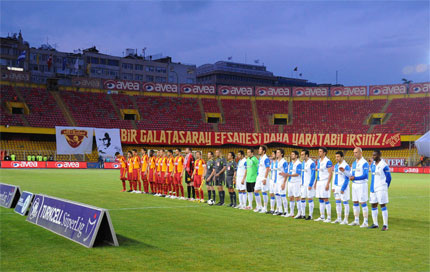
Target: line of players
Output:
[{"x": 289, "y": 185}]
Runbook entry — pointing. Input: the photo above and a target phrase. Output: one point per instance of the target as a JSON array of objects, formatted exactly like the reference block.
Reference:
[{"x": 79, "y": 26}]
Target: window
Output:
[
  {"x": 112, "y": 62},
  {"x": 103, "y": 61},
  {"x": 150, "y": 78},
  {"x": 160, "y": 70},
  {"x": 138, "y": 67},
  {"x": 213, "y": 120},
  {"x": 160, "y": 79},
  {"x": 138, "y": 77},
  {"x": 149, "y": 68},
  {"x": 127, "y": 66},
  {"x": 280, "y": 121},
  {"x": 127, "y": 76},
  {"x": 94, "y": 60},
  {"x": 171, "y": 79},
  {"x": 190, "y": 80}
]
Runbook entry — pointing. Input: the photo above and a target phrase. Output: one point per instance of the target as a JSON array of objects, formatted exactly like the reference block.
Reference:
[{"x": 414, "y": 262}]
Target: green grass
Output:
[{"x": 167, "y": 234}]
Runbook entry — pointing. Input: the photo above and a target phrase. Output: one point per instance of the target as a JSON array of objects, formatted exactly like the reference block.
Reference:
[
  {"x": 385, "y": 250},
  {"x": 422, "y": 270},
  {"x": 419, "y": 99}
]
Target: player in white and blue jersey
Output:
[
  {"x": 262, "y": 183},
  {"x": 281, "y": 166},
  {"x": 324, "y": 175},
  {"x": 294, "y": 183},
  {"x": 241, "y": 179},
  {"x": 272, "y": 185},
  {"x": 381, "y": 179},
  {"x": 360, "y": 174},
  {"x": 341, "y": 188},
  {"x": 308, "y": 180}
]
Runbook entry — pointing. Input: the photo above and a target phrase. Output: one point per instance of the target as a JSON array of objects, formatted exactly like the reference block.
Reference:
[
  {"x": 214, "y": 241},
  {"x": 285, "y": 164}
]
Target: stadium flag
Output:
[
  {"x": 64, "y": 63},
  {"x": 21, "y": 57},
  {"x": 88, "y": 68},
  {"x": 108, "y": 142},
  {"x": 37, "y": 59},
  {"x": 76, "y": 65},
  {"x": 74, "y": 140},
  {"x": 295, "y": 69},
  {"x": 49, "y": 62}
]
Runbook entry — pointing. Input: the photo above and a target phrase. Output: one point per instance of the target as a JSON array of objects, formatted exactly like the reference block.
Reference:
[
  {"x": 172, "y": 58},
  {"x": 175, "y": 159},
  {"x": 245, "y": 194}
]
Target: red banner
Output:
[
  {"x": 416, "y": 170},
  {"x": 387, "y": 89},
  {"x": 66, "y": 165},
  {"x": 235, "y": 91},
  {"x": 419, "y": 87},
  {"x": 310, "y": 91},
  {"x": 112, "y": 165},
  {"x": 152, "y": 87},
  {"x": 197, "y": 89},
  {"x": 23, "y": 164},
  {"x": 193, "y": 138},
  {"x": 272, "y": 91},
  {"x": 348, "y": 91},
  {"x": 83, "y": 82},
  {"x": 121, "y": 85}
]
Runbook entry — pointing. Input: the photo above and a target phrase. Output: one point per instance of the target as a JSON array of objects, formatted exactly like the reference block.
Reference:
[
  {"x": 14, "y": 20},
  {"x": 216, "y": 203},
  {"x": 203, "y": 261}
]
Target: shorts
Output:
[
  {"x": 144, "y": 177},
  {"x": 272, "y": 187},
  {"x": 229, "y": 182},
  {"x": 136, "y": 176},
  {"x": 239, "y": 185},
  {"x": 169, "y": 179},
  {"x": 321, "y": 191},
  {"x": 122, "y": 174},
  {"x": 337, "y": 195},
  {"x": 177, "y": 179},
  {"x": 306, "y": 193},
  {"x": 187, "y": 178},
  {"x": 380, "y": 197},
  {"x": 279, "y": 190},
  {"x": 130, "y": 176},
  {"x": 294, "y": 189},
  {"x": 197, "y": 182},
  {"x": 259, "y": 186},
  {"x": 219, "y": 181},
  {"x": 162, "y": 178},
  {"x": 360, "y": 192},
  {"x": 250, "y": 187},
  {"x": 209, "y": 182},
  {"x": 151, "y": 176}
]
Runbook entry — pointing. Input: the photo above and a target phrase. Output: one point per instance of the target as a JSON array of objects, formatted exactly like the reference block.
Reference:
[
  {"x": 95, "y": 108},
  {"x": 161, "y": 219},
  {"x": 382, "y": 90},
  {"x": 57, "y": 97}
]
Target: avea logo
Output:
[
  {"x": 115, "y": 165},
  {"x": 187, "y": 89},
  {"x": 376, "y": 91},
  {"x": 337, "y": 92},
  {"x": 15, "y": 164},
  {"x": 110, "y": 84},
  {"x": 262, "y": 92},
  {"x": 59, "y": 165},
  {"x": 225, "y": 91},
  {"x": 417, "y": 89},
  {"x": 149, "y": 87},
  {"x": 299, "y": 93}
]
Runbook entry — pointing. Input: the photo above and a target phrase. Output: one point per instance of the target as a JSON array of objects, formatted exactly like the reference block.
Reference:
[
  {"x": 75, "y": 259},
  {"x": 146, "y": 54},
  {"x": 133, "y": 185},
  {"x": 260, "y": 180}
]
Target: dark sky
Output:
[{"x": 368, "y": 42}]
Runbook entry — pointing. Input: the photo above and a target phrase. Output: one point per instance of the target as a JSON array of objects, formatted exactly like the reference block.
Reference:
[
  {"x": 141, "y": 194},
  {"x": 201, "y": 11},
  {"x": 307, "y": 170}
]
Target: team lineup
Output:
[{"x": 290, "y": 186}]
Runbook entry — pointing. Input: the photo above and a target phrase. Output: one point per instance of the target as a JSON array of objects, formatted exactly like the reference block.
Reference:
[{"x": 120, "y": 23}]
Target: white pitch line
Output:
[{"x": 155, "y": 207}]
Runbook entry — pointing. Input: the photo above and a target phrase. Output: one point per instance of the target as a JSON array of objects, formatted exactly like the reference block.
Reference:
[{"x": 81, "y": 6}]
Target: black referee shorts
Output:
[{"x": 250, "y": 187}]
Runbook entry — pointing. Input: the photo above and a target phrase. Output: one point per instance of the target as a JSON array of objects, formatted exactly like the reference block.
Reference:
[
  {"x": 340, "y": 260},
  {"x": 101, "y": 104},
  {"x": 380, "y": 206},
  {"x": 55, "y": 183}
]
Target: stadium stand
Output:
[
  {"x": 403, "y": 111},
  {"x": 6, "y": 118},
  {"x": 332, "y": 116},
  {"x": 237, "y": 116},
  {"x": 266, "y": 109}
]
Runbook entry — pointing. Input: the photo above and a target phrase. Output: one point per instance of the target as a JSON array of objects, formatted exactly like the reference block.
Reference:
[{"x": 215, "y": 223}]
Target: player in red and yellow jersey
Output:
[
  {"x": 130, "y": 170},
  {"x": 197, "y": 176},
  {"x": 169, "y": 173},
  {"x": 144, "y": 173},
  {"x": 152, "y": 169},
  {"x": 158, "y": 175},
  {"x": 163, "y": 172},
  {"x": 123, "y": 170},
  {"x": 178, "y": 169},
  {"x": 136, "y": 174}
]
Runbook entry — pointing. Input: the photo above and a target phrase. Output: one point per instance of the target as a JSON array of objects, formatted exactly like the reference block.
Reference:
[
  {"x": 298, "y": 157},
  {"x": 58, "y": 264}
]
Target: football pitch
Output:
[{"x": 175, "y": 235}]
